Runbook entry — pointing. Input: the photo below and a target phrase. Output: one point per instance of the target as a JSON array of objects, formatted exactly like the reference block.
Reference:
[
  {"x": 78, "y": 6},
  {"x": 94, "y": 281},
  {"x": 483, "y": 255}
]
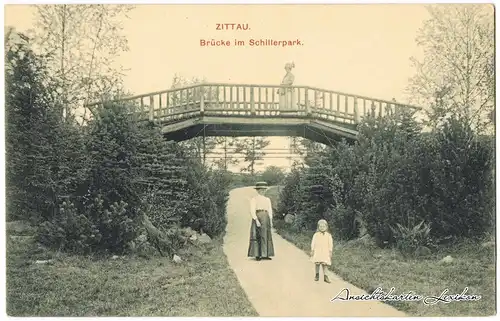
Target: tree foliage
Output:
[
  {"x": 82, "y": 42},
  {"x": 273, "y": 175},
  {"x": 40, "y": 165},
  {"x": 96, "y": 188},
  {"x": 397, "y": 179},
  {"x": 252, "y": 149},
  {"x": 456, "y": 74}
]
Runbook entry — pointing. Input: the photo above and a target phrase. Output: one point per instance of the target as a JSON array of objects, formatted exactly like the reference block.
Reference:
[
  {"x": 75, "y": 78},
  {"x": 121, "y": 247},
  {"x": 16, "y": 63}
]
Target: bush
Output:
[
  {"x": 273, "y": 175},
  {"x": 45, "y": 153},
  {"x": 217, "y": 220},
  {"x": 290, "y": 201},
  {"x": 69, "y": 231},
  {"x": 396, "y": 175},
  {"x": 409, "y": 240},
  {"x": 462, "y": 187},
  {"x": 343, "y": 222},
  {"x": 88, "y": 187},
  {"x": 106, "y": 199}
]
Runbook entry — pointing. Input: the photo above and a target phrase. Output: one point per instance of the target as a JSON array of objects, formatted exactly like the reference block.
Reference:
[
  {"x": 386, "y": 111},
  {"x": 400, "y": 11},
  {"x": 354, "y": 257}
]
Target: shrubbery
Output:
[
  {"x": 410, "y": 188},
  {"x": 105, "y": 187}
]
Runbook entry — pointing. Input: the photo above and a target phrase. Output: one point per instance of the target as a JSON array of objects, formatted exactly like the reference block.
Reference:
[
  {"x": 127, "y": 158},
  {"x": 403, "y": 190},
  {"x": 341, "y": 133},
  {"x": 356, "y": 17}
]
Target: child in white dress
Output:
[{"x": 321, "y": 249}]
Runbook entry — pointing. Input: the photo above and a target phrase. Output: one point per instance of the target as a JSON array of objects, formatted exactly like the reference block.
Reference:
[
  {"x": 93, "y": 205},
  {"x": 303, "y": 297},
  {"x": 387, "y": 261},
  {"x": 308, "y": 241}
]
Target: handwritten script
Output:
[{"x": 379, "y": 295}]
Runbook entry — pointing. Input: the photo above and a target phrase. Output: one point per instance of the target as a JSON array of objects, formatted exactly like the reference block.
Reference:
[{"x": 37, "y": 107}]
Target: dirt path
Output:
[{"x": 285, "y": 286}]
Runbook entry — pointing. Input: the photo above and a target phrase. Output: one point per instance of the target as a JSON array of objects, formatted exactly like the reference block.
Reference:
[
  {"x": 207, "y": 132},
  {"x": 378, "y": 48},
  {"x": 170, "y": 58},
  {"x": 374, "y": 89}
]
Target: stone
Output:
[
  {"x": 204, "y": 238},
  {"x": 447, "y": 259},
  {"x": 142, "y": 238},
  {"x": 289, "y": 218},
  {"x": 177, "y": 259}
]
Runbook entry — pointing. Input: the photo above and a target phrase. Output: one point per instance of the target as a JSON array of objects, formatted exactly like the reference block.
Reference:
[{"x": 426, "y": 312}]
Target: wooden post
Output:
[
  {"x": 225, "y": 101},
  {"x": 260, "y": 99},
  {"x": 168, "y": 103},
  {"x": 231, "y": 106},
  {"x": 308, "y": 106},
  {"x": 267, "y": 102},
  {"x": 245, "y": 108},
  {"x": 202, "y": 101},
  {"x": 151, "y": 108},
  {"x": 237, "y": 99},
  {"x": 252, "y": 101}
]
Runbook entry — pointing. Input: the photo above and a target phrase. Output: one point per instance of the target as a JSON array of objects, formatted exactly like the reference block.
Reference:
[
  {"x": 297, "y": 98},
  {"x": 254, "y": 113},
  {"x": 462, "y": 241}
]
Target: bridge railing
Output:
[{"x": 217, "y": 99}]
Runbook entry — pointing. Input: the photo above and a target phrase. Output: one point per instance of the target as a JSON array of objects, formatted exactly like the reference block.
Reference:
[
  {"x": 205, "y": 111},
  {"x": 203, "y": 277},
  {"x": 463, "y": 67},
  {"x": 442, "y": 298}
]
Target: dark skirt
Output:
[{"x": 261, "y": 240}]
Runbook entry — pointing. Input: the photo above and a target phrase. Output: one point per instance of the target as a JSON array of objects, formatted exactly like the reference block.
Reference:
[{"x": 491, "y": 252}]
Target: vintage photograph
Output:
[{"x": 250, "y": 160}]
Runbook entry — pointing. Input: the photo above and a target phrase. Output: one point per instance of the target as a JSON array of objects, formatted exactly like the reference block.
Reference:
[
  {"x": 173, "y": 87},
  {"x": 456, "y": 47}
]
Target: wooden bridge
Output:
[{"x": 214, "y": 109}]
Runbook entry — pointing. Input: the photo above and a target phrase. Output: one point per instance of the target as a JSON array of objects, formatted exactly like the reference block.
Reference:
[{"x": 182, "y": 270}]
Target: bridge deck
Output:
[{"x": 270, "y": 106}]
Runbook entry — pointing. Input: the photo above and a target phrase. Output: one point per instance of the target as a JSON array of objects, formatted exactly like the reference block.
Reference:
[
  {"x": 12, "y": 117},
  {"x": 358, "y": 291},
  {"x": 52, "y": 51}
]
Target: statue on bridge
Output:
[{"x": 286, "y": 95}]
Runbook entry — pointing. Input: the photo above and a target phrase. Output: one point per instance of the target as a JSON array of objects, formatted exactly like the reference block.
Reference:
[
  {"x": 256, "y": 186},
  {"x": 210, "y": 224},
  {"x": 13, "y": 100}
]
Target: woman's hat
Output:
[{"x": 261, "y": 185}]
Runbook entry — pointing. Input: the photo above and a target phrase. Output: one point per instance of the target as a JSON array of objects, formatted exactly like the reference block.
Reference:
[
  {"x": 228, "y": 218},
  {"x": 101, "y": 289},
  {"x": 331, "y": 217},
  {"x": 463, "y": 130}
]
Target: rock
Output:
[
  {"x": 142, "y": 238},
  {"x": 44, "y": 261},
  {"x": 177, "y": 259},
  {"x": 488, "y": 244},
  {"x": 289, "y": 218},
  {"x": 447, "y": 259},
  {"x": 204, "y": 238}
]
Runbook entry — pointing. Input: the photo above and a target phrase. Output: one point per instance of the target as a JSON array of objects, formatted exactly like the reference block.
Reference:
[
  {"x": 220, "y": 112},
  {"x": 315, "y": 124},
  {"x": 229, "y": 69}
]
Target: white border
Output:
[{"x": 2, "y": 132}]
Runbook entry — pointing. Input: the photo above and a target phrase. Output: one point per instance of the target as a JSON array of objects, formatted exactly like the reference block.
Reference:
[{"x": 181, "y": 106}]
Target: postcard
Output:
[{"x": 232, "y": 160}]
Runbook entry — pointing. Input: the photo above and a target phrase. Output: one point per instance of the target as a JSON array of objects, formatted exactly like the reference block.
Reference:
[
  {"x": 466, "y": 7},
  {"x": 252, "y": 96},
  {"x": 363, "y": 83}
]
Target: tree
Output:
[
  {"x": 252, "y": 149},
  {"x": 103, "y": 214},
  {"x": 83, "y": 42},
  {"x": 162, "y": 170},
  {"x": 273, "y": 175},
  {"x": 305, "y": 148},
  {"x": 227, "y": 155},
  {"x": 44, "y": 158},
  {"x": 456, "y": 75}
]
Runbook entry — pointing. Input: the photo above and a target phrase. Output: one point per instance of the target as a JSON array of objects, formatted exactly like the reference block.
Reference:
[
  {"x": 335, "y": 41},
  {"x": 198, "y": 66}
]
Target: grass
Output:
[
  {"x": 202, "y": 285},
  {"x": 369, "y": 267}
]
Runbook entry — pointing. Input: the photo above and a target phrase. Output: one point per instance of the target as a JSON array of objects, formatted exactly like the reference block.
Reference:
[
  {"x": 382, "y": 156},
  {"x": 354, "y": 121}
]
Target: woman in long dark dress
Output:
[{"x": 261, "y": 240}]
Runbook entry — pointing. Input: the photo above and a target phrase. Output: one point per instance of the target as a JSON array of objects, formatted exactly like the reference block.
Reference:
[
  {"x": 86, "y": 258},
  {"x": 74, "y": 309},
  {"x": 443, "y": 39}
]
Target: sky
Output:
[{"x": 358, "y": 49}]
